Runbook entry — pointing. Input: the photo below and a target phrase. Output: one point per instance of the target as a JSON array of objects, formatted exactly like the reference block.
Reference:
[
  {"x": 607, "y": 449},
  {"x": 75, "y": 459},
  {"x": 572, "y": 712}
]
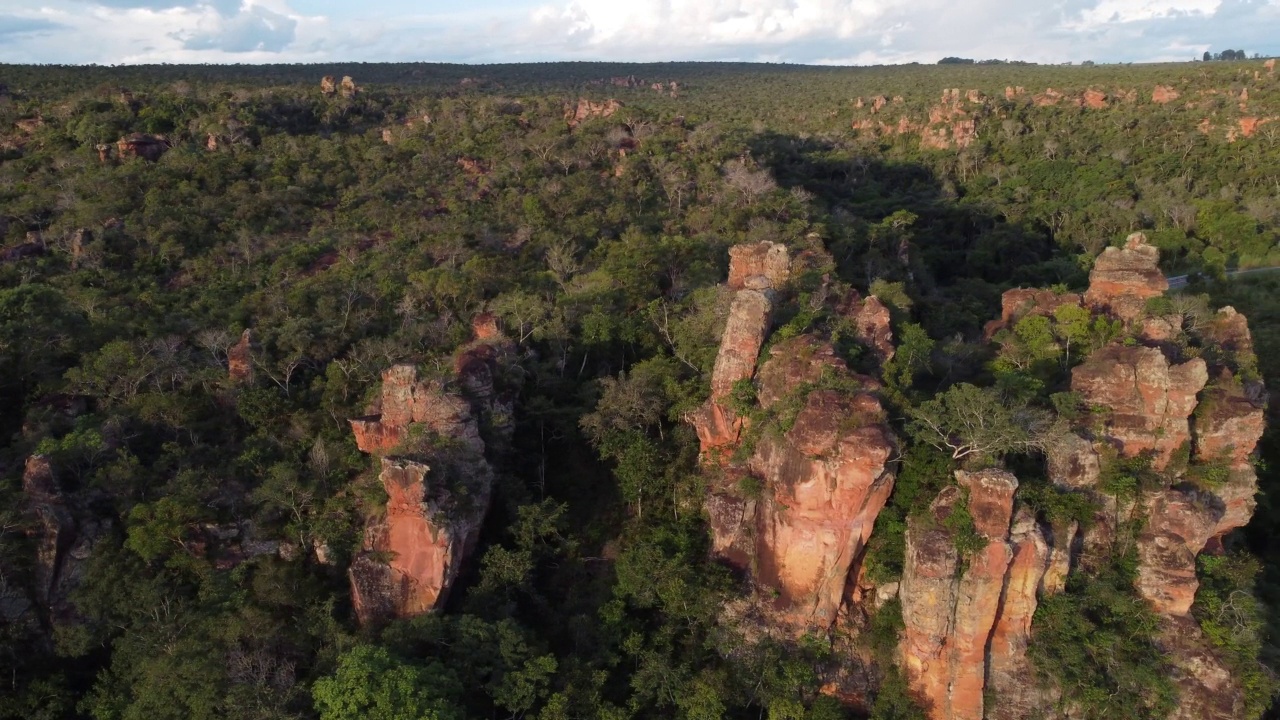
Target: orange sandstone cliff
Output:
[
  {"x": 800, "y": 462},
  {"x": 437, "y": 470},
  {"x": 967, "y": 629},
  {"x": 793, "y": 503}
]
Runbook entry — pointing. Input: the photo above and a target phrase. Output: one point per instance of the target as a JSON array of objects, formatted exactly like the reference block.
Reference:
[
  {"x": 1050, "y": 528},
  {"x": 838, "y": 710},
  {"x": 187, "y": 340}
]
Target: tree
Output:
[
  {"x": 370, "y": 684},
  {"x": 972, "y": 422}
]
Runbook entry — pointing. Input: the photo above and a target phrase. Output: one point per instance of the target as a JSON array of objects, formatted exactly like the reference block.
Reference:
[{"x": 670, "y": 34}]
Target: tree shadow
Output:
[{"x": 900, "y": 221}]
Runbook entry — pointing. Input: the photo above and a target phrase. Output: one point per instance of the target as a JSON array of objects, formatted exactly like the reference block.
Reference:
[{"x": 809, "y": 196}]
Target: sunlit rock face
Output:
[
  {"x": 1123, "y": 279},
  {"x": 952, "y": 614},
  {"x": 968, "y": 625},
  {"x": 1148, "y": 399},
  {"x": 795, "y": 508},
  {"x": 438, "y": 474}
]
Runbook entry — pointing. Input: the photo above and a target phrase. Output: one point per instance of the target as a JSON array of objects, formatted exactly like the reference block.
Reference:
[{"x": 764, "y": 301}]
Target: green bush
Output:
[{"x": 1096, "y": 642}]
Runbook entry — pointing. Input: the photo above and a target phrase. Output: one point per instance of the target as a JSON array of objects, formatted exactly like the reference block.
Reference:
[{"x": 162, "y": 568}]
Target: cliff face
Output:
[
  {"x": 968, "y": 627},
  {"x": 436, "y": 469},
  {"x": 950, "y": 614},
  {"x": 1148, "y": 399},
  {"x": 798, "y": 480},
  {"x": 797, "y": 510}
]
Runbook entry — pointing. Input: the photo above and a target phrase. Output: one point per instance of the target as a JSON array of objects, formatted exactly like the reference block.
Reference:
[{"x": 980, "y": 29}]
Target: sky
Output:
[{"x": 832, "y": 32}]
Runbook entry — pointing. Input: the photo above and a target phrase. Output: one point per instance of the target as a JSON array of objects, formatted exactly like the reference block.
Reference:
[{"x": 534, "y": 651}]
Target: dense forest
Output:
[{"x": 208, "y": 272}]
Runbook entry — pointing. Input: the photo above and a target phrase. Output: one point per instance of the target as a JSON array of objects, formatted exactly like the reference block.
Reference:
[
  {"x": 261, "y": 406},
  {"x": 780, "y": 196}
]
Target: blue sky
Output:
[{"x": 803, "y": 31}]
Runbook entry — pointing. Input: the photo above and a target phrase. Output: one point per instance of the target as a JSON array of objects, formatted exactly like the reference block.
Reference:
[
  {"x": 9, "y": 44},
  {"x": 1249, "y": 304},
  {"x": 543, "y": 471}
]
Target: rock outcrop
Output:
[
  {"x": 1206, "y": 688},
  {"x": 65, "y": 535},
  {"x": 575, "y": 115},
  {"x": 1148, "y": 400},
  {"x": 1123, "y": 279},
  {"x": 949, "y": 124},
  {"x": 794, "y": 508},
  {"x": 1019, "y": 303},
  {"x": 438, "y": 473},
  {"x": 1163, "y": 94},
  {"x": 240, "y": 359},
  {"x": 141, "y": 145},
  {"x": 951, "y": 615},
  {"x": 754, "y": 273},
  {"x": 328, "y": 86},
  {"x": 1179, "y": 524},
  {"x": 871, "y": 322}
]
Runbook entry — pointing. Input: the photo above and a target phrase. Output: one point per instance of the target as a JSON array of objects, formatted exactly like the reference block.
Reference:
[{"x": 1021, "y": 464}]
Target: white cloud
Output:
[
  {"x": 815, "y": 31},
  {"x": 254, "y": 28}
]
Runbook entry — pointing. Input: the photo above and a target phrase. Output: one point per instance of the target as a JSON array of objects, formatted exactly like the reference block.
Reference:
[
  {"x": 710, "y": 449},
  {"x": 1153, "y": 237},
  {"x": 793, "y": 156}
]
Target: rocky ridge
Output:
[
  {"x": 798, "y": 479},
  {"x": 1152, "y": 405},
  {"x": 957, "y": 118}
]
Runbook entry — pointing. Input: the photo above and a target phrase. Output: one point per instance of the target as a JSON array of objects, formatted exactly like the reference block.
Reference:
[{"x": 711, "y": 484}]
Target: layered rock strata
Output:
[
  {"x": 952, "y": 614},
  {"x": 1186, "y": 423},
  {"x": 438, "y": 474},
  {"x": 794, "y": 503}
]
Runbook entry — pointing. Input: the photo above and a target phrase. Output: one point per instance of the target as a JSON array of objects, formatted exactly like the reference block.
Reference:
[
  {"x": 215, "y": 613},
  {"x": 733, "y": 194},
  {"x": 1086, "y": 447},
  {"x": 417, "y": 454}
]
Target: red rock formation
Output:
[
  {"x": 1179, "y": 524},
  {"x": 585, "y": 110},
  {"x": 432, "y": 520},
  {"x": 1020, "y": 302},
  {"x": 975, "y": 96},
  {"x": 1230, "y": 331},
  {"x": 967, "y": 631},
  {"x": 64, "y": 533},
  {"x": 950, "y": 615},
  {"x": 759, "y": 266},
  {"x": 1009, "y": 673},
  {"x": 472, "y": 167},
  {"x": 407, "y": 400},
  {"x": 1148, "y": 399},
  {"x": 754, "y": 271},
  {"x": 1047, "y": 98},
  {"x": 1250, "y": 125},
  {"x": 80, "y": 239},
  {"x": 1230, "y": 423},
  {"x": 240, "y": 359},
  {"x": 328, "y": 86},
  {"x": 1123, "y": 279},
  {"x": 1206, "y": 688},
  {"x": 822, "y": 481},
  {"x": 1163, "y": 94},
  {"x": 1094, "y": 99},
  {"x": 871, "y": 321},
  {"x": 104, "y": 152},
  {"x": 825, "y": 484},
  {"x": 485, "y": 327},
  {"x": 426, "y": 554},
  {"x": 348, "y": 88},
  {"x": 147, "y": 147},
  {"x": 878, "y": 102},
  {"x": 54, "y": 522}
]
